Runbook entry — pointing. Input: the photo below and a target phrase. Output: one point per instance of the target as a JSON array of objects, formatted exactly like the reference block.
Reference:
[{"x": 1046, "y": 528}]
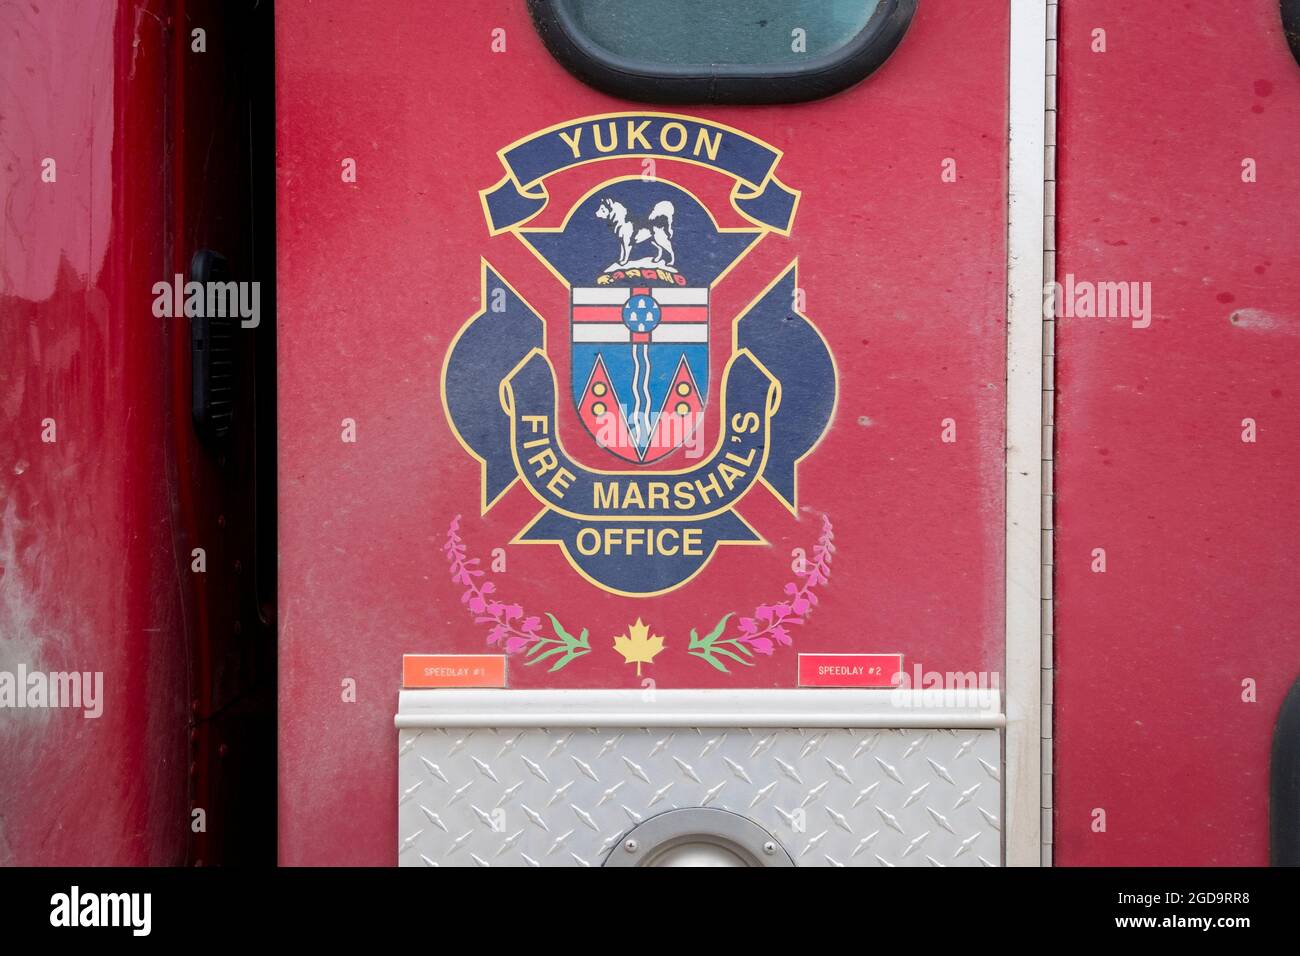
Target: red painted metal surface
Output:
[
  {"x": 1199, "y": 527},
  {"x": 97, "y": 527},
  {"x": 904, "y": 276},
  {"x": 90, "y": 581}
]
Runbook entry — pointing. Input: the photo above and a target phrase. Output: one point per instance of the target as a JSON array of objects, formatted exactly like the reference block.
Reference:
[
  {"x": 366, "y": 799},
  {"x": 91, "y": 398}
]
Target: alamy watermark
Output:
[
  {"x": 130, "y": 910},
  {"x": 674, "y": 428},
  {"x": 241, "y": 300},
  {"x": 78, "y": 690},
  {"x": 1083, "y": 299},
  {"x": 976, "y": 690}
]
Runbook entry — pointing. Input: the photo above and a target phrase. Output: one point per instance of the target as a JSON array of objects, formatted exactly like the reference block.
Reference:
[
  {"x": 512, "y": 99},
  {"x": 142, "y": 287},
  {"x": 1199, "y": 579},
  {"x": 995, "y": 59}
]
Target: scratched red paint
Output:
[
  {"x": 88, "y": 577},
  {"x": 96, "y": 528},
  {"x": 1199, "y": 528}
]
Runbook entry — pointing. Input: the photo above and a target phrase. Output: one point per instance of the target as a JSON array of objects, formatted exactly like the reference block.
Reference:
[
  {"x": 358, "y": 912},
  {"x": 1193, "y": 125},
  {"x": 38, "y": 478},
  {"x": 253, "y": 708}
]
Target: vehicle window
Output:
[
  {"x": 736, "y": 51},
  {"x": 754, "y": 32}
]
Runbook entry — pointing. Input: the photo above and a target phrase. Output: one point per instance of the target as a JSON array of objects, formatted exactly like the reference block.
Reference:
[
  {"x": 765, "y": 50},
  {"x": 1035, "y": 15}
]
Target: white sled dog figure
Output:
[{"x": 657, "y": 229}]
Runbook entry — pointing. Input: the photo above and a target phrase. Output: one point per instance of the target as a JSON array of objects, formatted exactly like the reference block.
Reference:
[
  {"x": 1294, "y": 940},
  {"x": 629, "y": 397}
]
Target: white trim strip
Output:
[
  {"x": 1049, "y": 397},
  {"x": 603, "y": 295},
  {"x": 601, "y": 332},
  {"x": 886, "y": 709},
  {"x": 1024, "y": 437},
  {"x": 667, "y": 332},
  {"x": 681, "y": 332},
  {"x": 617, "y": 295},
  {"x": 681, "y": 296}
]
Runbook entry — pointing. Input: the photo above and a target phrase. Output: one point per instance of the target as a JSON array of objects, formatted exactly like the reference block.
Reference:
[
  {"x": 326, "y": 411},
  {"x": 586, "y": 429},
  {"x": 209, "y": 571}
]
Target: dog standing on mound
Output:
[{"x": 657, "y": 229}]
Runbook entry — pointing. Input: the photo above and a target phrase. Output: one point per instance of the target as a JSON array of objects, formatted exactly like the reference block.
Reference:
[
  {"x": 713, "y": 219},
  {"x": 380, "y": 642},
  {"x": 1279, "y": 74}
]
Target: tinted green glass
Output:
[{"x": 731, "y": 32}]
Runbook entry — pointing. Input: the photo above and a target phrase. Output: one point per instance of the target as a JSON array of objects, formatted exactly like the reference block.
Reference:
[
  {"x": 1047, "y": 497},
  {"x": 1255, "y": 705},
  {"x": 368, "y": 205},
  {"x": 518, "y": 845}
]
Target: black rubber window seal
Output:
[
  {"x": 819, "y": 77},
  {"x": 1284, "y": 783},
  {"x": 1291, "y": 26}
]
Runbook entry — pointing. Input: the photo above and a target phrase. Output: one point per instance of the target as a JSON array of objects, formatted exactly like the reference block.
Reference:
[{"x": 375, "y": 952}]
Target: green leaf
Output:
[
  {"x": 736, "y": 657},
  {"x": 572, "y": 655},
  {"x": 706, "y": 648},
  {"x": 539, "y": 644},
  {"x": 566, "y": 644},
  {"x": 717, "y": 630},
  {"x": 711, "y": 660},
  {"x": 559, "y": 629},
  {"x": 558, "y": 649}
]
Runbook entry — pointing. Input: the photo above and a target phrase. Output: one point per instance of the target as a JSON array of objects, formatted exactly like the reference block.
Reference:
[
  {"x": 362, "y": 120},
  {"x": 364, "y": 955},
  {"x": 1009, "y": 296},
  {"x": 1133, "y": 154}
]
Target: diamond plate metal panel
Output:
[{"x": 566, "y": 797}]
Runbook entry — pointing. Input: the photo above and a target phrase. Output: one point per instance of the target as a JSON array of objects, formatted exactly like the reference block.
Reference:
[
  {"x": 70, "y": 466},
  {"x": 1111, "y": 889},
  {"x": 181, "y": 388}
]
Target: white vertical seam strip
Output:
[
  {"x": 1026, "y": 158},
  {"x": 1049, "y": 418}
]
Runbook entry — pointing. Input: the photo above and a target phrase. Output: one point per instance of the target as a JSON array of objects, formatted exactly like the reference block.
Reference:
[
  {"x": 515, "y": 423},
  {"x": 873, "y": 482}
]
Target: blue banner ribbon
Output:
[{"x": 758, "y": 195}]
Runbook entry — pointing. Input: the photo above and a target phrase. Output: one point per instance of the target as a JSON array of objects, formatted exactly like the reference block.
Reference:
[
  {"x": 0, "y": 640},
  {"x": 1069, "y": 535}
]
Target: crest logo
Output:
[
  {"x": 640, "y": 342},
  {"x": 640, "y": 259},
  {"x": 639, "y": 321}
]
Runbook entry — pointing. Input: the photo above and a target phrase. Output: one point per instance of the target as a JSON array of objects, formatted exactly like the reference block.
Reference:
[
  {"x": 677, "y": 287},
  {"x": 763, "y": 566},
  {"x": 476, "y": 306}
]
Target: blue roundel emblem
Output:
[{"x": 641, "y": 313}]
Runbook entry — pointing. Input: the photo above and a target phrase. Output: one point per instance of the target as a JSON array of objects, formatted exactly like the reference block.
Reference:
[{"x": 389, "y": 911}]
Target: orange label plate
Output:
[{"x": 453, "y": 670}]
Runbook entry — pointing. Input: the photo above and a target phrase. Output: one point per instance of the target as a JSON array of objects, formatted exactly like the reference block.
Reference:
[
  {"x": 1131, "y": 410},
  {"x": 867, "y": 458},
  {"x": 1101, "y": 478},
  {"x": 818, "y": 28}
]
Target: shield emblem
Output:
[{"x": 640, "y": 366}]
